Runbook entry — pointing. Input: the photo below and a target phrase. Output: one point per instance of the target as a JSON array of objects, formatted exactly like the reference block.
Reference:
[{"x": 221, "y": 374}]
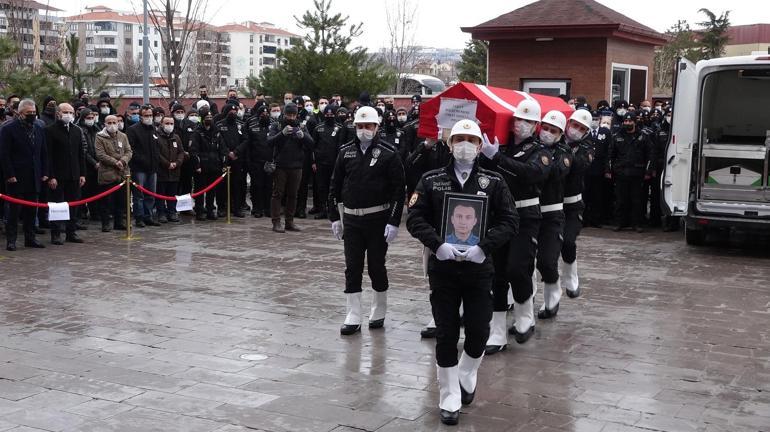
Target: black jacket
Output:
[
  {"x": 23, "y": 154},
  {"x": 395, "y": 138},
  {"x": 363, "y": 180},
  {"x": 231, "y": 137},
  {"x": 257, "y": 149},
  {"x": 66, "y": 158},
  {"x": 582, "y": 157},
  {"x": 661, "y": 141},
  {"x": 144, "y": 143},
  {"x": 561, "y": 162},
  {"x": 89, "y": 133},
  {"x": 289, "y": 150},
  {"x": 423, "y": 159},
  {"x": 327, "y": 143},
  {"x": 205, "y": 151},
  {"x": 630, "y": 154},
  {"x": 426, "y": 215},
  {"x": 601, "y": 141}
]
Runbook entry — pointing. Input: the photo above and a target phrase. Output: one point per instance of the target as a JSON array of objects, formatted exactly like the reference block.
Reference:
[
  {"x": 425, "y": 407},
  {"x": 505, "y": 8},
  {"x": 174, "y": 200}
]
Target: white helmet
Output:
[
  {"x": 466, "y": 127},
  {"x": 583, "y": 117},
  {"x": 528, "y": 110},
  {"x": 201, "y": 103},
  {"x": 556, "y": 118},
  {"x": 366, "y": 114}
]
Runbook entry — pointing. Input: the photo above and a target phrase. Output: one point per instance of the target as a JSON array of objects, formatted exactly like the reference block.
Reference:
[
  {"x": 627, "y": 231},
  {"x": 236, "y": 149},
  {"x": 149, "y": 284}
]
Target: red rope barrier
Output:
[
  {"x": 173, "y": 198},
  {"x": 71, "y": 204}
]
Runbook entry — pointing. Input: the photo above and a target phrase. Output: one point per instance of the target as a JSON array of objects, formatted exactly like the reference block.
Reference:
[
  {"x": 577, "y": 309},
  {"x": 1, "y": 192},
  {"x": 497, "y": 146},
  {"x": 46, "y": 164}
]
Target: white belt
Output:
[
  {"x": 551, "y": 208},
  {"x": 573, "y": 199},
  {"x": 366, "y": 211},
  {"x": 527, "y": 203}
]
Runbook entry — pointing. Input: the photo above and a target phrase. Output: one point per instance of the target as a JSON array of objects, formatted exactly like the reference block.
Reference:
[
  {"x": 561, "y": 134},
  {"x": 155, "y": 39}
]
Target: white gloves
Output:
[
  {"x": 337, "y": 229},
  {"x": 489, "y": 149},
  {"x": 475, "y": 255},
  {"x": 447, "y": 252},
  {"x": 391, "y": 231}
]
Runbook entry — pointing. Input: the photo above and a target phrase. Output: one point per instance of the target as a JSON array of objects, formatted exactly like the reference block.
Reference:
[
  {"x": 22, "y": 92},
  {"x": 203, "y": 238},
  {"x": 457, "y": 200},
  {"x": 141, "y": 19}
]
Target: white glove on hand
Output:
[
  {"x": 337, "y": 229},
  {"x": 391, "y": 232},
  {"x": 287, "y": 130},
  {"x": 447, "y": 252},
  {"x": 300, "y": 134},
  {"x": 489, "y": 149},
  {"x": 475, "y": 255}
]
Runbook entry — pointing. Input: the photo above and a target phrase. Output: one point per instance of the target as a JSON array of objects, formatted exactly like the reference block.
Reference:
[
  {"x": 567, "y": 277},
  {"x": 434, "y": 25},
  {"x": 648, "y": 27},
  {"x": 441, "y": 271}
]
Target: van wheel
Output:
[{"x": 695, "y": 237}]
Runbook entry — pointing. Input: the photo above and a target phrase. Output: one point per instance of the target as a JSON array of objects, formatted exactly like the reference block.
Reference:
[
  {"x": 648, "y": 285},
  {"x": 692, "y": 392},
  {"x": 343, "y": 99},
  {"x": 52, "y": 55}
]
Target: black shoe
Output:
[
  {"x": 221, "y": 214},
  {"x": 291, "y": 227},
  {"x": 313, "y": 210},
  {"x": 245, "y": 208},
  {"x": 320, "y": 216},
  {"x": 38, "y": 231},
  {"x": 349, "y": 329},
  {"x": 106, "y": 227},
  {"x": 521, "y": 337},
  {"x": 450, "y": 418},
  {"x": 200, "y": 217},
  {"x": 548, "y": 313},
  {"x": 573, "y": 294},
  {"x": 466, "y": 397},
  {"x": 173, "y": 218},
  {"x": 139, "y": 224},
  {"x": 81, "y": 227},
  {"x": 300, "y": 214},
  {"x": 239, "y": 214},
  {"x": 494, "y": 349},
  {"x": 639, "y": 230},
  {"x": 73, "y": 238},
  {"x": 428, "y": 333},
  {"x": 151, "y": 222},
  {"x": 257, "y": 214},
  {"x": 212, "y": 216},
  {"x": 278, "y": 228},
  {"x": 33, "y": 244},
  {"x": 162, "y": 219},
  {"x": 56, "y": 240},
  {"x": 10, "y": 246},
  {"x": 377, "y": 324}
]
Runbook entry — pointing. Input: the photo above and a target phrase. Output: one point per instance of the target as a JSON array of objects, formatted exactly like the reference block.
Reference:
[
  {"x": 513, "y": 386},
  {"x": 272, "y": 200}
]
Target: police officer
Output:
[
  {"x": 621, "y": 108},
  {"x": 579, "y": 142},
  {"x": 597, "y": 192},
  {"x": 661, "y": 129},
  {"x": 670, "y": 223},
  {"x": 368, "y": 182},
  {"x": 524, "y": 164},
  {"x": 229, "y": 133},
  {"x": 629, "y": 163},
  {"x": 260, "y": 155},
  {"x": 327, "y": 137},
  {"x": 456, "y": 276},
  {"x": 207, "y": 156},
  {"x": 392, "y": 135},
  {"x": 549, "y": 239}
]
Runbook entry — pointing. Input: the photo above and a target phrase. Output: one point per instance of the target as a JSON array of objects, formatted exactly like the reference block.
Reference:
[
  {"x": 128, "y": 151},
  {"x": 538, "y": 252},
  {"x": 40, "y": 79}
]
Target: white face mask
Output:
[
  {"x": 646, "y": 109},
  {"x": 168, "y": 128},
  {"x": 574, "y": 134},
  {"x": 668, "y": 119},
  {"x": 89, "y": 122},
  {"x": 178, "y": 117},
  {"x": 286, "y": 101},
  {"x": 548, "y": 138},
  {"x": 121, "y": 125},
  {"x": 522, "y": 130},
  {"x": 147, "y": 121},
  {"x": 194, "y": 119},
  {"x": 465, "y": 151},
  {"x": 309, "y": 107},
  {"x": 621, "y": 112},
  {"x": 104, "y": 110},
  {"x": 275, "y": 114},
  {"x": 111, "y": 128},
  {"x": 322, "y": 106},
  {"x": 402, "y": 119},
  {"x": 365, "y": 135},
  {"x": 381, "y": 107},
  {"x": 67, "y": 118},
  {"x": 158, "y": 119}
]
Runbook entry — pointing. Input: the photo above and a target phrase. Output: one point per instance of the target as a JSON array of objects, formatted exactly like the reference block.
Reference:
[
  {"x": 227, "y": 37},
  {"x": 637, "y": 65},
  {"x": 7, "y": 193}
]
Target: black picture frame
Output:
[{"x": 452, "y": 200}]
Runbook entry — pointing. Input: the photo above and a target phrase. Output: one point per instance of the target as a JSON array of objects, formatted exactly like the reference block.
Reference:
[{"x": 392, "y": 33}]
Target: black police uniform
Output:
[
  {"x": 629, "y": 160},
  {"x": 308, "y": 123},
  {"x": 364, "y": 182},
  {"x": 258, "y": 154},
  {"x": 660, "y": 141},
  {"x": 423, "y": 159},
  {"x": 327, "y": 137},
  {"x": 185, "y": 129},
  {"x": 207, "y": 155},
  {"x": 453, "y": 282},
  {"x": 598, "y": 189},
  {"x": 230, "y": 134},
  {"x": 582, "y": 158}
]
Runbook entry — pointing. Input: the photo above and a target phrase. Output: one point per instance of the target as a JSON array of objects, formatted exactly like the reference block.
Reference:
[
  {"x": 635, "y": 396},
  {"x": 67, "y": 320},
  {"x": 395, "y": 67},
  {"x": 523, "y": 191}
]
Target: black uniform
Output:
[
  {"x": 327, "y": 137},
  {"x": 207, "y": 155},
  {"x": 185, "y": 130},
  {"x": 308, "y": 123},
  {"x": 67, "y": 163},
  {"x": 423, "y": 159},
  {"x": 258, "y": 153},
  {"x": 91, "y": 187},
  {"x": 582, "y": 158},
  {"x": 230, "y": 135},
  {"x": 394, "y": 137},
  {"x": 363, "y": 182},
  {"x": 598, "y": 189},
  {"x": 652, "y": 186},
  {"x": 549, "y": 239},
  {"x": 453, "y": 282},
  {"x": 524, "y": 167},
  {"x": 629, "y": 160}
]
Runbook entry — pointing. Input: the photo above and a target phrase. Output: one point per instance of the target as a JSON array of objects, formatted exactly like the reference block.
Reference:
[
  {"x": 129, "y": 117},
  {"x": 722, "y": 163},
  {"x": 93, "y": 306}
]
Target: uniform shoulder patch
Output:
[
  {"x": 483, "y": 181},
  {"x": 545, "y": 159},
  {"x": 413, "y": 200}
]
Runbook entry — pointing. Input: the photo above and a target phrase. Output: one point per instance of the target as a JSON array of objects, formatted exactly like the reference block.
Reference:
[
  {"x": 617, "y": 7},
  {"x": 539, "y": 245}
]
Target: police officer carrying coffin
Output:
[
  {"x": 579, "y": 142},
  {"x": 456, "y": 276},
  {"x": 524, "y": 164},
  {"x": 368, "y": 183}
]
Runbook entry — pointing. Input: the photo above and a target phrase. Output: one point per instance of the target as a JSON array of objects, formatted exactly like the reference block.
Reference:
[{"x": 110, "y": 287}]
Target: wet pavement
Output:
[{"x": 215, "y": 327}]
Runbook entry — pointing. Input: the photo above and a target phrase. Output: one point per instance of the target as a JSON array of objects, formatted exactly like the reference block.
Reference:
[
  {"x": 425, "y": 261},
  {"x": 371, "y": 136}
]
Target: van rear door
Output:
[{"x": 675, "y": 181}]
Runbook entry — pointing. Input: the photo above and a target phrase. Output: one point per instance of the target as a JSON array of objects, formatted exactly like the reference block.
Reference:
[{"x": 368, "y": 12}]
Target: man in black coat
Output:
[
  {"x": 259, "y": 156},
  {"x": 143, "y": 139},
  {"x": 25, "y": 165},
  {"x": 65, "y": 143},
  {"x": 327, "y": 137}
]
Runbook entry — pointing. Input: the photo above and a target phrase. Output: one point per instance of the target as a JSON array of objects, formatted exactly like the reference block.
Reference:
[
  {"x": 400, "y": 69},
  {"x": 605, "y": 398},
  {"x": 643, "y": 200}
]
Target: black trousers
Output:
[
  {"x": 307, "y": 175},
  {"x": 447, "y": 291},
  {"x": 261, "y": 189},
  {"x": 65, "y": 191},
  {"x": 573, "y": 223},
  {"x": 202, "y": 180},
  {"x": 364, "y": 236},
  {"x": 549, "y": 241},
  {"x": 628, "y": 200},
  {"x": 113, "y": 204},
  {"x": 186, "y": 178},
  {"x": 323, "y": 178},
  {"x": 163, "y": 207},
  {"x": 90, "y": 189},
  {"x": 514, "y": 264},
  {"x": 652, "y": 189},
  {"x": 15, "y": 210},
  {"x": 237, "y": 189}
]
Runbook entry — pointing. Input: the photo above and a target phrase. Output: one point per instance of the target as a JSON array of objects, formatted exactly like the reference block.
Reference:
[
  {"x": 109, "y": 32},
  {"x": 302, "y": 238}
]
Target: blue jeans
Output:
[{"x": 144, "y": 204}]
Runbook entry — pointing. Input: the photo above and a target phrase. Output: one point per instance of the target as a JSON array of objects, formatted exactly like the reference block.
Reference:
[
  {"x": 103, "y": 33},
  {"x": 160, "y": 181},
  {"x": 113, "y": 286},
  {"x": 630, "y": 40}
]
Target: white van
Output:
[{"x": 716, "y": 171}]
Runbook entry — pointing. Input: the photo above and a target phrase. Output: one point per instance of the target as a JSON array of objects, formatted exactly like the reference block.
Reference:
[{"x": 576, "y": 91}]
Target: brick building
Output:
[
  {"x": 747, "y": 39},
  {"x": 576, "y": 47}
]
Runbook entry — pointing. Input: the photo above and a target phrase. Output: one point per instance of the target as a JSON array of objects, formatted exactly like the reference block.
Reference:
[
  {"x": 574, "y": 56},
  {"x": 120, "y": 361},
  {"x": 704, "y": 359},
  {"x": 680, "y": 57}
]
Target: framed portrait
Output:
[{"x": 464, "y": 220}]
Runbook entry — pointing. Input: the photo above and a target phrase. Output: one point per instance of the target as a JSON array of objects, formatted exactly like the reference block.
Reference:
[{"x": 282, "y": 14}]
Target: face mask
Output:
[
  {"x": 194, "y": 119},
  {"x": 646, "y": 109},
  {"x": 629, "y": 128},
  {"x": 402, "y": 119},
  {"x": 178, "y": 117},
  {"x": 381, "y": 107},
  {"x": 594, "y": 124},
  {"x": 104, "y": 110},
  {"x": 309, "y": 107},
  {"x": 621, "y": 112},
  {"x": 30, "y": 118},
  {"x": 204, "y": 96},
  {"x": 134, "y": 118},
  {"x": 158, "y": 119},
  {"x": 111, "y": 128},
  {"x": 322, "y": 106},
  {"x": 342, "y": 118},
  {"x": 547, "y": 138},
  {"x": 329, "y": 120},
  {"x": 286, "y": 101},
  {"x": 147, "y": 121},
  {"x": 121, "y": 125},
  {"x": 67, "y": 118},
  {"x": 275, "y": 114},
  {"x": 574, "y": 134},
  {"x": 89, "y": 122},
  {"x": 668, "y": 119},
  {"x": 365, "y": 135},
  {"x": 168, "y": 128},
  {"x": 464, "y": 151},
  {"x": 241, "y": 113},
  {"x": 522, "y": 129}
]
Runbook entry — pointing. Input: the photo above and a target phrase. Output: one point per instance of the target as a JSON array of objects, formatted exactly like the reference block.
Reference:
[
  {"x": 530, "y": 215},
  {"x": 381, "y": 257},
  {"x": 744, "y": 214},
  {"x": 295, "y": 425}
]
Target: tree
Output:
[
  {"x": 472, "y": 66},
  {"x": 401, "y": 18},
  {"x": 714, "y": 33},
  {"x": 23, "y": 80},
  {"x": 324, "y": 63},
  {"x": 128, "y": 71},
  {"x": 79, "y": 79}
]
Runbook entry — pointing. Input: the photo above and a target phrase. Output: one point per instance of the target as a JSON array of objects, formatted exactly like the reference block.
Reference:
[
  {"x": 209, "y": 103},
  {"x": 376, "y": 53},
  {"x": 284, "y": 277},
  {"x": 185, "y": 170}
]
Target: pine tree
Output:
[{"x": 473, "y": 62}]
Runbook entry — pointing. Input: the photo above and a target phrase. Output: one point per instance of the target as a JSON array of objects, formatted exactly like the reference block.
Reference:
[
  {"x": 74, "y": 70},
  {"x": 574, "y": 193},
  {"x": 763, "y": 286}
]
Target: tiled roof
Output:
[{"x": 748, "y": 34}]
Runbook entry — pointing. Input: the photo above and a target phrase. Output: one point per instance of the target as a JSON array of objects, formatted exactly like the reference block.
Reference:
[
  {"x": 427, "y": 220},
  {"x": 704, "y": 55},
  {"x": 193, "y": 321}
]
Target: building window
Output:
[
  {"x": 547, "y": 87},
  {"x": 268, "y": 50},
  {"x": 73, "y": 26},
  {"x": 128, "y": 28},
  {"x": 89, "y": 26},
  {"x": 129, "y": 41},
  {"x": 109, "y": 41},
  {"x": 260, "y": 38},
  {"x": 155, "y": 69},
  {"x": 251, "y": 38},
  {"x": 89, "y": 40},
  {"x": 629, "y": 83},
  {"x": 89, "y": 53},
  {"x": 251, "y": 61},
  {"x": 155, "y": 56},
  {"x": 251, "y": 50},
  {"x": 155, "y": 44},
  {"x": 285, "y": 42},
  {"x": 140, "y": 42}
]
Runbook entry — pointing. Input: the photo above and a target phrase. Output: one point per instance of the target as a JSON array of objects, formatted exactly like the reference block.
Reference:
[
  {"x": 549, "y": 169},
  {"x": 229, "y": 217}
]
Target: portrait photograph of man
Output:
[{"x": 463, "y": 221}]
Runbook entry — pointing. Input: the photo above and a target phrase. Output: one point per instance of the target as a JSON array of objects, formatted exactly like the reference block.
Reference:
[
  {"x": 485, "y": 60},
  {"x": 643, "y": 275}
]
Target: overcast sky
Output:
[{"x": 439, "y": 21}]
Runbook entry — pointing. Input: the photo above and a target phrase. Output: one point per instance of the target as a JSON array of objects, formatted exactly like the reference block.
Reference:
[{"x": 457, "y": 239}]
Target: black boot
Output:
[{"x": 450, "y": 418}]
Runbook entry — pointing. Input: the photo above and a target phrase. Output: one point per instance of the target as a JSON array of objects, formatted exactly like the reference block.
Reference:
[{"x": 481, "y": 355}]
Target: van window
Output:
[{"x": 735, "y": 106}]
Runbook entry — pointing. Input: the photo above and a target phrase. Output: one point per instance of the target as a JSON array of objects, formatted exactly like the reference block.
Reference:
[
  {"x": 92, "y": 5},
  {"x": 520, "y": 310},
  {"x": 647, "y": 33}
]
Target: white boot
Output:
[
  {"x": 432, "y": 323},
  {"x": 510, "y": 297},
  {"x": 523, "y": 320},
  {"x": 569, "y": 276},
  {"x": 468, "y": 369},
  {"x": 449, "y": 388},
  {"x": 551, "y": 298},
  {"x": 497, "y": 335},
  {"x": 379, "y": 308}
]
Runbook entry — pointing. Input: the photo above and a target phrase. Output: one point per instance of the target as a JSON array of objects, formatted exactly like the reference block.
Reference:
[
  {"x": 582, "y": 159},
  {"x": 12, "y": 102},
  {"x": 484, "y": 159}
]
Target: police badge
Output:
[
  {"x": 376, "y": 153},
  {"x": 545, "y": 160},
  {"x": 483, "y": 182}
]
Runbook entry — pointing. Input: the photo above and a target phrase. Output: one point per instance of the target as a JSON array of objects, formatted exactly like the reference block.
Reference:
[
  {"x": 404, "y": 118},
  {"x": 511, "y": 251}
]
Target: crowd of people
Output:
[{"x": 488, "y": 215}]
